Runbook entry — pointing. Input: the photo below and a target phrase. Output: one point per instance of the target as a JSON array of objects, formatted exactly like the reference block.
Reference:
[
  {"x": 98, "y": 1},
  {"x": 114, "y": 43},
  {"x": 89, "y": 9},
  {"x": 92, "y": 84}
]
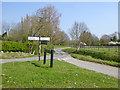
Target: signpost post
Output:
[
  {"x": 39, "y": 48},
  {"x": 40, "y": 39}
]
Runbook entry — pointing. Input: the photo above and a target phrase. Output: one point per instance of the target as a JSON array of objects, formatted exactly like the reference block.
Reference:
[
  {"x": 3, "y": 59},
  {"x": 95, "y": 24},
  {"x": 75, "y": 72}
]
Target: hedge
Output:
[
  {"x": 23, "y": 47},
  {"x": 95, "y": 54},
  {"x": 99, "y": 55},
  {"x": 14, "y": 46}
]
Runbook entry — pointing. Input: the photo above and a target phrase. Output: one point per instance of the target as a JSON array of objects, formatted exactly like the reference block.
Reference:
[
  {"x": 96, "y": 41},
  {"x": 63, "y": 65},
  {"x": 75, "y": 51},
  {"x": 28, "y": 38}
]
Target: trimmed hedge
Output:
[
  {"x": 22, "y": 47},
  {"x": 14, "y": 46},
  {"x": 69, "y": 50},
  {"x": 95, "y": 54},
  {"x": 99, "y": 55}
]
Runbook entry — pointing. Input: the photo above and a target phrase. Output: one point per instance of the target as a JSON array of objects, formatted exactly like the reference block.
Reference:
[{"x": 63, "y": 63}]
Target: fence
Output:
[
  {"x": 104, "y": 48},
  {"x": 51, "y": 52}
]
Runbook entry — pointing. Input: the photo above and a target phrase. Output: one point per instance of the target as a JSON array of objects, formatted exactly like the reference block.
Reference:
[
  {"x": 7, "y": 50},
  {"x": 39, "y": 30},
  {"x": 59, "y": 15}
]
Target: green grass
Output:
[
  {"x": 113, "y": 51},
  {"x": 34, "y": 74},
  {"x": 14, "y": 55},
  {"x": 91, "y": 59},
  {"x": 60, "y": 46}
]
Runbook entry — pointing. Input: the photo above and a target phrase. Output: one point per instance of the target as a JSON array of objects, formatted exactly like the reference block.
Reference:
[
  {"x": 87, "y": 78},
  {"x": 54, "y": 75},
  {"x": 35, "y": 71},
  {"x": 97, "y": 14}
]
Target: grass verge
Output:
[
  {"x": 34, "y": 74},
  {"x": 17, "y": 55},
  {"x": 90, "y": 58}
]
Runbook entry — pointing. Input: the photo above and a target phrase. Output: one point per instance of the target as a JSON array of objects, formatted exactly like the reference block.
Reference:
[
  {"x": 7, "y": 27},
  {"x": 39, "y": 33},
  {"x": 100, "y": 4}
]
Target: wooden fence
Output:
[{"x": 109, "y": 48}]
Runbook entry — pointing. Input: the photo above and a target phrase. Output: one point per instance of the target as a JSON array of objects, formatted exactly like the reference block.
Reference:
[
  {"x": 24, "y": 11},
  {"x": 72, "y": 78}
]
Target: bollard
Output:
[
  {"x": 51, "y": 63},
  {"x": 108, "y": 48},
  {"x": 44, "y": 55}
]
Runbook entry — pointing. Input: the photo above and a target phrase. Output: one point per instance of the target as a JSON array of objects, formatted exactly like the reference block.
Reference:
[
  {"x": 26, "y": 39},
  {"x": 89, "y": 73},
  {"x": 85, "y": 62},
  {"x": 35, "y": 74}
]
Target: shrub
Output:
[
  {"x": 71, "y": 50},
  {"x": 14, "y": 46},
  {"x": 23, "y": 47},
  {"x": 95, "y": 54},
  {"x": 99, "y": 55}
]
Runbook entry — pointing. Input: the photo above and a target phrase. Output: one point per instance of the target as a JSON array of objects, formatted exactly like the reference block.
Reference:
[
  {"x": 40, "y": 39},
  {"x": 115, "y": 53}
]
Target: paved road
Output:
[
  {"x": 60, "y": 55},
  {"x": 109, "y": 70},
  {"x": 22, "y": 59}
]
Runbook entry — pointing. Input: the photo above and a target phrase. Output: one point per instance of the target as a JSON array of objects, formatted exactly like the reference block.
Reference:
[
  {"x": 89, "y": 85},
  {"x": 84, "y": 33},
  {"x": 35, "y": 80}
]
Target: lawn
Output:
[{"x": 34, "y": 74}]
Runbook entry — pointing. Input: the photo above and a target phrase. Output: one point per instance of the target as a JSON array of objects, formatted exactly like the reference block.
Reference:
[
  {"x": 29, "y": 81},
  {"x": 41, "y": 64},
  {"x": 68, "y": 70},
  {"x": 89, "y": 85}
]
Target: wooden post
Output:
[
  {"x": 51, "y": 63},
  {"x": 44, "y": 55},
  {"x": 108, "y": 48},
  {"x": 116, "y": 48}
]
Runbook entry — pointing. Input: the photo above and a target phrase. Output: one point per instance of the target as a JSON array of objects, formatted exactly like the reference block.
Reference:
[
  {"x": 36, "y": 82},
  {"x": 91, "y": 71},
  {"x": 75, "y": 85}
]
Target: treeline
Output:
[
  {"x": 44, "y": 23},
  {"x": 81, "y": 35}
]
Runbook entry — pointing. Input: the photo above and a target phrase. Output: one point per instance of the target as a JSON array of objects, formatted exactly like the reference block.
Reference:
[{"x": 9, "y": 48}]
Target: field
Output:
[
  {"x": 33, "y": 74},
  {"x": 108, "y": 49}
]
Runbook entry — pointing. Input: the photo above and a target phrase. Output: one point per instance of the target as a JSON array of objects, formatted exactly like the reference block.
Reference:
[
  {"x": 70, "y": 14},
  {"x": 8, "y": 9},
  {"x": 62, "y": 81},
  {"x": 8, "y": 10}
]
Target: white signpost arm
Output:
[{"x": 40, "y": 39}]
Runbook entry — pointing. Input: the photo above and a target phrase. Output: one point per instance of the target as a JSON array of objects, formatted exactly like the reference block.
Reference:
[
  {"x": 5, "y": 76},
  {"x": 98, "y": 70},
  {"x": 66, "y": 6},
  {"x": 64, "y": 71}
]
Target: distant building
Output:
[
  {"x": 82, "y": 43},
  {"x": 113, "y": 43}
]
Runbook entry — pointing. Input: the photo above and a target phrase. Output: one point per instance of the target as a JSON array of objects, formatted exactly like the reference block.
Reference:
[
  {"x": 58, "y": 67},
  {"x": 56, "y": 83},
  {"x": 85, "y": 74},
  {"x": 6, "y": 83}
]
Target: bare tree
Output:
[
  {"x": 6, "y": 27},
  {"x": 48, "y": 21},
  {"x": 60, "y": 38},
  {"x": 76, "y": 31}
]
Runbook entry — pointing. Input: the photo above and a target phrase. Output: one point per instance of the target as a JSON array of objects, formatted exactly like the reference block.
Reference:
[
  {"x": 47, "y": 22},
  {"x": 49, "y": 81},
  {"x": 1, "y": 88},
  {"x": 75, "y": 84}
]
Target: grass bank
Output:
[
  {"x": 14, "y": 55},
  {"x": 94, "y": 56},
  {"x": 33, "y": 74}
]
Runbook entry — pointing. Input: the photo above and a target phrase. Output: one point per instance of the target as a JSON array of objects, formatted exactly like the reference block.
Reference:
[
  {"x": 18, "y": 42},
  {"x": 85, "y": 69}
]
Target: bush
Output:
[
  {"x": 71, "y": 50},
  {"x": 48, "y": 46},
  {"x": 23, "y": 47},
  {"x": 95, "y": 54},
  {"x": 36, "y": 47},
  {"x": 14, "y": 46}
]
